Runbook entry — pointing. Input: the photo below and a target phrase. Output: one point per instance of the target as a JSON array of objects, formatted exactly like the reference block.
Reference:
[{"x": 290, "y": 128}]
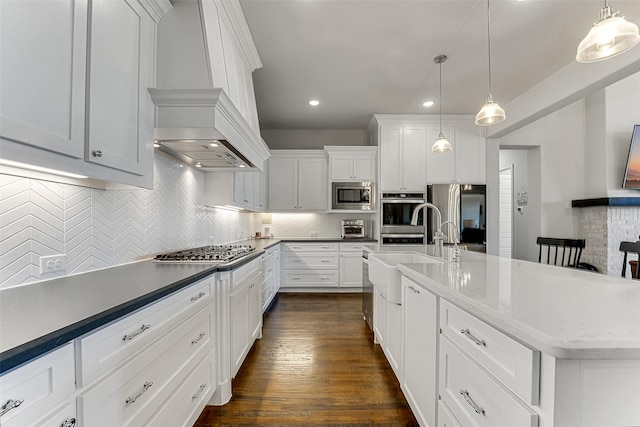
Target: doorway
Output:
[{"x": 505, "y": 248}]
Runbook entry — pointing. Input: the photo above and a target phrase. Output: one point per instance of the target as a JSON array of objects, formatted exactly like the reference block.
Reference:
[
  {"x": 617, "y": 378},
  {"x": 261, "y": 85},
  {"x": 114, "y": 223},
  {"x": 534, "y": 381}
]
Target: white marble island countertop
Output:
[{"x": 563, "y": 312}]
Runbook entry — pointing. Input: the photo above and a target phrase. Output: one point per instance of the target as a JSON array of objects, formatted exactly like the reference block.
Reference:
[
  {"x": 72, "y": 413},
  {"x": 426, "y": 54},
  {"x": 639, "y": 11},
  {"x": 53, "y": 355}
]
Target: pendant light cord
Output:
[
  {"x": 440, "y": 98},
  {"x": 489, "y": 42}
]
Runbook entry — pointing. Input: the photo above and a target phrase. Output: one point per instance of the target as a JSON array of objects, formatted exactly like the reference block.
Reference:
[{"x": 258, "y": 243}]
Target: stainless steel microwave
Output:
[{"x": 352, "y": 196}]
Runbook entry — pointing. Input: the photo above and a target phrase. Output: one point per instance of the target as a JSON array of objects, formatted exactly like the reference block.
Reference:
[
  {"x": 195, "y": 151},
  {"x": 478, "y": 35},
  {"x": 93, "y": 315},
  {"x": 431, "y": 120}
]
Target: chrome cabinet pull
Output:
[
  {"x": 197, "y": 297},
  {"x": 136, "y": 333},
  {"x": 197, "y": 339},
  {"x": 9, "y": 405},
  {"x": 467, "y": 333},
  {"x": 97, "y": 153},
  {"x": 414, "y": 289},
  {"x": 478, "y": 409},
  {"x": 145, "y": 387},
  {"x": 325, "y": 260},
  {"x": 69, "y": 422},
  {"x": 197, "y": 395},
  {"x": 325, "y": 247}
]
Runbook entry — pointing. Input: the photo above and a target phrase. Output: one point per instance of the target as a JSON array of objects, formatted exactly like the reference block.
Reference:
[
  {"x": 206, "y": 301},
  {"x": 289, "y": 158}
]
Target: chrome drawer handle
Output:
[
  {"x": 325, "y": 247},
  {"x": 9, "y": 405},
  {"x": 467, "y": 333},
  {"x": 325, "y": 278},
  {"x": 197, "y": 395},
  {"x": 136, "y": 333},
  {"x": 69, "y": 422},
  {"x": 197, "y": 339},
  {"x": 145, "y": 387},
  {"x": 474, "y": 405},
  {"x": 414, "y": 289},
  {"x": 295, "y": 278},
  {"x": 197, "y": 297},
  {"x": 325, "y": 260}
]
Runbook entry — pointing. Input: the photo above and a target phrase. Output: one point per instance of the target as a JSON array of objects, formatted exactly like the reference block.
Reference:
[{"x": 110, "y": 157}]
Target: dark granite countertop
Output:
[{"x": 39, "y": 317}]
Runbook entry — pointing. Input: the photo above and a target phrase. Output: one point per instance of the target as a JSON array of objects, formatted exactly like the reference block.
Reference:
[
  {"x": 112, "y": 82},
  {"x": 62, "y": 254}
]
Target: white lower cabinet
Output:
[
  {"x": 184, "y": 407},
  {"x": 379, "y": 317},
  {"x": 40, "y": 393},
  {"x": 474, "y": 397},
  {"x": 445, "y": 417},
  {"x": 133, "y": 393},
  {"x": 246, "y": 314},
  {"x": 310, "y": 265},
  {"x": 351, "y": 265},
  {"x": 269, "y": 286},
  {"x": 419, "y": 383},
  {"x": 394, "y": 339}
]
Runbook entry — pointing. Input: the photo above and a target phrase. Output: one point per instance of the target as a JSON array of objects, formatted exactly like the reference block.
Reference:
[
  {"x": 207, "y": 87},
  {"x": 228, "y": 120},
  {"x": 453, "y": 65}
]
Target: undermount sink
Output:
[{"x": 384, "y": 275}]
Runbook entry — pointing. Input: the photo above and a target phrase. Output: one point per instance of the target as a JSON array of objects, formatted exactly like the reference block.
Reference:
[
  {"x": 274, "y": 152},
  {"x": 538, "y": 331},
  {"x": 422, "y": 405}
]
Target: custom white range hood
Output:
[{"x": 205, "y": 53}]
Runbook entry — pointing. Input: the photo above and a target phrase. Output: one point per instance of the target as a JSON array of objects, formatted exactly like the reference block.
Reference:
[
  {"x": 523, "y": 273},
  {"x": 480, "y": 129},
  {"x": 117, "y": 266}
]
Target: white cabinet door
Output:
[
  {"x": 351, "y": 270},
  {"x": 364, "y": 167},
  {"x": 379, "y": 317},
  {"x": 341, "y": 167},
  {"x": 390, "y": 158},
  {"x": 283, "y": 183},
  {"x": 414, "y": 157},
  {"x": 121, "y": 69},
  {"x": 441, "y": 166},
  {"x": 394, "y": 338},
  {"x": 239, "y": 188},
  {"x": 43, "y": 74},
  {"x": 312, "y": 184},
  {"x": 258, "y": 191},
  {"x": 255, "y": 309},
  {"x": 239, "y": 307},
  {"x": 470, "y": 153},
  {"x": 420, "y": 343}
]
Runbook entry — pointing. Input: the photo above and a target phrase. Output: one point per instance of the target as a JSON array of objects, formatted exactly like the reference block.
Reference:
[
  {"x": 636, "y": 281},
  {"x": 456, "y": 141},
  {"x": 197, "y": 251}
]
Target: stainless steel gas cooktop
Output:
[{"x": 207, "y": 254}]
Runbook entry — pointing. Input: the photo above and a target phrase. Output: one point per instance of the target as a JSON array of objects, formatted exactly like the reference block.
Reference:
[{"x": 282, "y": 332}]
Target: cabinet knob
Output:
[
  {"x": 69, "y": 422},
  {"x": 9, "y": 405},
  {"x": 97, "y": 153}
]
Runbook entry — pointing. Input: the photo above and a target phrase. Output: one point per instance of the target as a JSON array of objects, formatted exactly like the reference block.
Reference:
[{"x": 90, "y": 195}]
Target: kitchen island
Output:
[{"x": 518, "y": 343}]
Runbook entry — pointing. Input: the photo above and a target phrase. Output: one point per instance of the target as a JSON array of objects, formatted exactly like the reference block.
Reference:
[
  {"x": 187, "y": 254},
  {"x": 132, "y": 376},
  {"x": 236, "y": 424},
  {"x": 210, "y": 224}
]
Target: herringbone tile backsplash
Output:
[{"x": 103, "y": 228}]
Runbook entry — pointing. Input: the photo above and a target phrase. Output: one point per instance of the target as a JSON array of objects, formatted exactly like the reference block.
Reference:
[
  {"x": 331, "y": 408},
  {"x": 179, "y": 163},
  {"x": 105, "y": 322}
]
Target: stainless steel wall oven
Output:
[{"x": 395, "y": 219}]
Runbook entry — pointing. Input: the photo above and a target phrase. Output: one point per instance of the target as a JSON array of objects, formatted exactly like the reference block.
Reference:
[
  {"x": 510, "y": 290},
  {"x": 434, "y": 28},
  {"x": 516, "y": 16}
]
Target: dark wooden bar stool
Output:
[
  {"x": 570, "y": 250},
  {"x": 633, "y": 248}
]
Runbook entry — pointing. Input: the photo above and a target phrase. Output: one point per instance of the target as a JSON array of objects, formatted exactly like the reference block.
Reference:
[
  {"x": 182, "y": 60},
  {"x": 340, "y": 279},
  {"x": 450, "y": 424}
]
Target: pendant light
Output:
[
  {"x": 611, "y": 35},
  {"x": 490, "y": 113},
  {"x": 441, "y": 145}
]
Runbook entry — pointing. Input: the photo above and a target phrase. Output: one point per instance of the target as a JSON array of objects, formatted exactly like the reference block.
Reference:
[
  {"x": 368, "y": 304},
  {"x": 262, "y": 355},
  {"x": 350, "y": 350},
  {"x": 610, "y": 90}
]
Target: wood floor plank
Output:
[{"x": 316, "y": 365}]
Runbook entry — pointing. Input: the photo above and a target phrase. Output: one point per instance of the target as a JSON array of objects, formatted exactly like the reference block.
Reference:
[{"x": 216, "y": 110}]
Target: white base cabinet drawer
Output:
[
  {"x": 311, "y": 260},
  {"x": 102, "y": 351},
  {"x": 132, "y": 394},
  {"x": 302, "y": 278},
  {"x": 311, "y": 247},
  {"x": 474, "y": 397},
  {"x": 42, "y": 387},
  {"x": 445, "y": 417},
  {"x": 517, "y": 366},
  {"x": 184, "y": 407}
]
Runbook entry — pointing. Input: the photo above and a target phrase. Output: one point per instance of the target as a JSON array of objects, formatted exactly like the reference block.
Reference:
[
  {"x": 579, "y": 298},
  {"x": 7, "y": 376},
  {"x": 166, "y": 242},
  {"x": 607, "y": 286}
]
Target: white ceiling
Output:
[{"x": 361, "y": 57}]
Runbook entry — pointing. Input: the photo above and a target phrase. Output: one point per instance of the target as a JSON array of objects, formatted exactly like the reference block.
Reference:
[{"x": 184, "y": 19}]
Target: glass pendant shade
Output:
[
  {"x": 490, "y": 114},
  {"x": 441, "y": 145},
  {"x": 610, "y": 36}
]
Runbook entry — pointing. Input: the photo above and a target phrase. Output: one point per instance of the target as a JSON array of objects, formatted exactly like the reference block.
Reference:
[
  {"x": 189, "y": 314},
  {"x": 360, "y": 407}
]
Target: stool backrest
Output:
[
  {"x": 633, "y": 248},
  {"x": 564, "y": 252}
]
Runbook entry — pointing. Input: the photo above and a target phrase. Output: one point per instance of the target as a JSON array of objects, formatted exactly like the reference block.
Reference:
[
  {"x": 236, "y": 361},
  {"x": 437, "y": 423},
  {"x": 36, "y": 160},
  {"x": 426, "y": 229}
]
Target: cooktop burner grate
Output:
[{"x": 207, "y": 254}]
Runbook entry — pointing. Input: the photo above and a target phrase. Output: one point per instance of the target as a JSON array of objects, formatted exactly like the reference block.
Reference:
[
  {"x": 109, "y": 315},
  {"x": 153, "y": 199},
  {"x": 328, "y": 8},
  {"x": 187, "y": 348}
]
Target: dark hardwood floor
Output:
[{"x": 316, "y": 364}]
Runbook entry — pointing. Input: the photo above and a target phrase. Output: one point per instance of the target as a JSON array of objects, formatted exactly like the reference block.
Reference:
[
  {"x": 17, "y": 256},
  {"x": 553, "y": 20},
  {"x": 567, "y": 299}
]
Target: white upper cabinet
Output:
[
  {"x": 121, "y": 69},
  {"x": 43, "y": 74},
  {"x": 244, "y": 190},
  {"x": 465, "y": 163},
  {"x": 74, "y": 76},
  {"x": 298, "y": 181},
  {"x": 352, "y": 163},
  {"x": 403, "y": 157}
]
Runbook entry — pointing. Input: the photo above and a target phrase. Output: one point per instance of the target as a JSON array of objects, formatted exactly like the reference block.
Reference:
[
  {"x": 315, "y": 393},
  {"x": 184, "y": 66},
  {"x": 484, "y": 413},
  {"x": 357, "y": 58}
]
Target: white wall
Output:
[
  {"x": 102, "y": 228},
  {"x": 312, "y": 139},
  {"x": 526, "y": 178},
  {"x": 560, "y": 137}
]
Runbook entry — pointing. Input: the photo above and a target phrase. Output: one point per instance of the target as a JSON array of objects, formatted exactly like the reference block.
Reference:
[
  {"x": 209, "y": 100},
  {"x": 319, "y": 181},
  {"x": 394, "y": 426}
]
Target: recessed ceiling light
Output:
[
  {"x": 156, "y": 145},
  {"x": 214, "y": 143},
  {"x": 198, "y": 165},
  {"x": 428, "y": 103},
  {"x": 242, "y": 166},
  {"x": 314, "y": 102}
]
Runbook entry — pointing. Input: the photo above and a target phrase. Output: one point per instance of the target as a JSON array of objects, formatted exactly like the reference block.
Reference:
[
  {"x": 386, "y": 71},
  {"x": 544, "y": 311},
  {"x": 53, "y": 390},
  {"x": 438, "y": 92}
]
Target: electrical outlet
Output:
[
  {"x": 53, "y": 263},
  {"x": 313, "y": 234}
]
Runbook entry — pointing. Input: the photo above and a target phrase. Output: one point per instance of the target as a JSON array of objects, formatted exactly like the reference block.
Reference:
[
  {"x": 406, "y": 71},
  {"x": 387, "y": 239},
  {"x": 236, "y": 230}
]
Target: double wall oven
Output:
[{"x": 395, "y": 219}]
